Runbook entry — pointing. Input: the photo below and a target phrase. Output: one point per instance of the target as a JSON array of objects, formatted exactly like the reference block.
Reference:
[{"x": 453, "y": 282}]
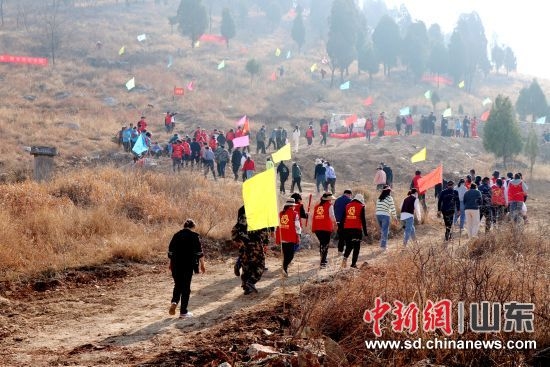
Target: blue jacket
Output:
[
  {"x": 472, "y": 199},
  {"x": 340, "y": 207}
]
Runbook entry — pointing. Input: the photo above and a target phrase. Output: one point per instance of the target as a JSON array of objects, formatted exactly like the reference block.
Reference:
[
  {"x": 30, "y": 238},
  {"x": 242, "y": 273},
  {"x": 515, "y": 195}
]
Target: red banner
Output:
[
  {"x": 178, "y": 91},
  {"x": 42, "y": 61},
  {"x": 212, "y": 38}
]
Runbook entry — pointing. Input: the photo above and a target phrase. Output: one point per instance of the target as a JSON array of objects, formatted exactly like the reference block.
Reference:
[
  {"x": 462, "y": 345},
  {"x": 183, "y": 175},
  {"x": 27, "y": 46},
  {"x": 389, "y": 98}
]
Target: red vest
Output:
[
  {"x": 177, "y": 150},
  {"x": 321, "y": 219},
  {"x": 324, "y": 128},
  {"x": 309, "y": 133},
  {"x": 353, "y": 215},
  {"x": 497, "y": 195},
  {"x": 167, "y": 120},
  {"x": 515, "y": 192},
  {"x": 287, "y": 227},
  {"x": 186, "y": 148}
]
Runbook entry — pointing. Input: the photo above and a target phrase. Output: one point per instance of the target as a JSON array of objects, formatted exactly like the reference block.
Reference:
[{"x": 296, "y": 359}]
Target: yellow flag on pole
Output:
[
  {"x": 461, "y": 84},
  {"x": 260, "y": 200},
  {"x": 420, "y": 156},
  {"x": 278, "y": 52},
  {"x": 313, "y": 68},
  {"x": 282, "y": 154},
  {"x": 122, "y": 51}
]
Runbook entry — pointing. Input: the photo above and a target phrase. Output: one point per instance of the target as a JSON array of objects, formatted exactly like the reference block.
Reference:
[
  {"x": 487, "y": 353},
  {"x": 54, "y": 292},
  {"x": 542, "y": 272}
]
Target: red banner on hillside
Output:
[
  {"x": 437, "y": 80},
  {"x": 214, "y": 38},
  {"x": 179, "y": 91},
  {"x": 42, "y": 61}
]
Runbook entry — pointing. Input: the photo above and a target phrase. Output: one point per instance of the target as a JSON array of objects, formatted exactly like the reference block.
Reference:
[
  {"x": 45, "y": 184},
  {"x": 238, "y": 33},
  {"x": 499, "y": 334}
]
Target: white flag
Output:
[
  {"x": 130, "y": 84},
  {"x": 141, "y": 37}
]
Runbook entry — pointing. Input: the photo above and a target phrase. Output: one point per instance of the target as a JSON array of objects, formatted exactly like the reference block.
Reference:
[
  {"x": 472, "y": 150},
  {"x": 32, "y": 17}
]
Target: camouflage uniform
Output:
[{"x": 251, "y": 253}]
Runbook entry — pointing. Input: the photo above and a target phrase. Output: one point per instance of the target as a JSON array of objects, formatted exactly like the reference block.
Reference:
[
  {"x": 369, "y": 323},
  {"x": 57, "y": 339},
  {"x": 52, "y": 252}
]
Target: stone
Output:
[{"x": 260, "y": 351}]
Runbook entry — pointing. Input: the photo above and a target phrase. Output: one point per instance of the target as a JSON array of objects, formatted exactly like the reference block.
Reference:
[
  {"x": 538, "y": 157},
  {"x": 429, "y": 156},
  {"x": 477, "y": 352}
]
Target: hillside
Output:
[
  {"x": 79, "y": 104},
  {"x": 83, "y": 267}
]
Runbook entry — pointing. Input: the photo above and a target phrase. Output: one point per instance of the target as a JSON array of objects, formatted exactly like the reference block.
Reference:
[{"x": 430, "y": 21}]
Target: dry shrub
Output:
[{"x": 503, "y": 266}]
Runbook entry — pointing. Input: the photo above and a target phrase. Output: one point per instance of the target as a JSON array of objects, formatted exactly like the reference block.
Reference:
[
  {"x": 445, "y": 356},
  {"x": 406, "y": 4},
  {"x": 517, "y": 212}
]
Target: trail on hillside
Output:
[{"x": 127, "y": 322}]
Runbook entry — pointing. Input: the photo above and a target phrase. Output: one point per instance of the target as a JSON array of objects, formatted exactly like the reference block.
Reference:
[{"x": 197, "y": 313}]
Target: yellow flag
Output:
[
  {"x": 260, "y": 200},
  {"x": 122, "y": 51},
  {"x": 461, "y": 84},
  {"x": 420, "y": 156},
  {"x": 282, "y": 154},
  {"x": 278, "y": 52},
  {"x": 313, "y": 68}
]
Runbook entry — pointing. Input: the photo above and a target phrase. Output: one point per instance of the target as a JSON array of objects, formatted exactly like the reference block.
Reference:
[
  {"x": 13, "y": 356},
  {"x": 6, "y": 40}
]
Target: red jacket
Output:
[
  {"x": 310, "y": 133},
  {"x": 381, "y": 123},
  {"x": 230, "y": 136},
  {"x": 352, "y": 215},
  {"x": 287, "y": 227},
  {"x": 186, "y": 148},
  {"x": 324, "y": 128},
  {"x": 368, "y": 124},
  {"x": 321, "y": 219},
  {"x": 248, "y": 165},
  {"x": 415, "y": 184},
  {"x": 167, "y": 120},
  {"x": 213, "y": 143},
  {"x": 239, "y": 133}
]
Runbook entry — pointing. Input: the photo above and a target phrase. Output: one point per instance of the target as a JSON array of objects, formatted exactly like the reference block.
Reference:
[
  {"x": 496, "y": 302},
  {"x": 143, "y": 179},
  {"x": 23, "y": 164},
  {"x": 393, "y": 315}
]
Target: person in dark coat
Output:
[
  {"x": 283, "y": 172},
  {"x": 448, "y": 204},
  {"x": 186, "y": 257}
]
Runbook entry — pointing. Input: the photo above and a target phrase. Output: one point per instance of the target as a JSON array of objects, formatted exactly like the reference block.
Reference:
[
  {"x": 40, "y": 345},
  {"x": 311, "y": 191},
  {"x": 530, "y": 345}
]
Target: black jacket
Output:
[
  {"x": 448, "y": 200},
  {"x": 185, "y": 250}
]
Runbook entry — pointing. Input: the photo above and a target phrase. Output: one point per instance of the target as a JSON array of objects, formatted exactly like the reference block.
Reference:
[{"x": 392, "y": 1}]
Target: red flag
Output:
[
  {"x": 351, "y": 119},
  {"x": 42, "y": 61},
  {"x": 485, "y": 116},
  {"x": 246, "y": 127},
  {"x": 178, "y": 91},
  {"x": 431, "y": 179},
  {"x": 368, "y": 101},
  {"x": 273, "y": 76}
]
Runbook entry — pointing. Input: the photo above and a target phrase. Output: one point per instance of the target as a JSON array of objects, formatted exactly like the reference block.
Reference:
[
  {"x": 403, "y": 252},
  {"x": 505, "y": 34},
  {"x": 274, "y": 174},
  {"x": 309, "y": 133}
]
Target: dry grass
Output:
[
  {"x": 92, "y": 216},
  {"x": 501, "y": 267}
]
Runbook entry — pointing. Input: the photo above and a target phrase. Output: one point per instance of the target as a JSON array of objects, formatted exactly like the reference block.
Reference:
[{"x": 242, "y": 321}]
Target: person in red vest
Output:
[
  {"x": 354, "y": 227},
  {"x": 177, "y": 154},
  {"x": 369, "y": 126},
  {"x": 310, "y": 134},
  {"x": 498, "y": 201},
  {"x": 142, "y": 125},
  {"x": 322, "y": 224},
  {"x": 421, "y": 194},
  {"x": 288, "y": 233},
  {"x": 299, "y": 206},
  {"x": 213, "y": 143},
  {"x": 186, "y": 150},
  {"x": 229, "y": 136},
  {"x": 239, "y": 132},
  {"x": 249, "y": 168},
  {"x": 517, "y": 194},
  {"x": 197, "y": 133},
  {"x": 324, "y": 131},
  {"x": 381, "y": 124}
]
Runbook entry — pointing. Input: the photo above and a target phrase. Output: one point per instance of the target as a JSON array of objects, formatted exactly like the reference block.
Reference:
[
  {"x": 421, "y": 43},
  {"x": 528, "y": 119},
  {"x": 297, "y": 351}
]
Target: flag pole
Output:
[{"x": 308, "y": 207}]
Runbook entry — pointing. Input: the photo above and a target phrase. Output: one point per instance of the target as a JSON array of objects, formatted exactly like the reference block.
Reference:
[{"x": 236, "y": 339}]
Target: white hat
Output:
[
  {"x": 289, "y": 202},
  {"x": 359, "y": 198}
]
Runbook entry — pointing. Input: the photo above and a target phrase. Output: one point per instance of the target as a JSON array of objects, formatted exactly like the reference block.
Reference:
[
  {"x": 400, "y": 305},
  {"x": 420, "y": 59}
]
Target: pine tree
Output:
[
  {"x": 342, "y": 36},
  {"x": 387, "y": 42},
  {"x": 501, "y": 135},
  {"x": 298, "y": 31},
  {"x": 531, "y": 101},
  {"x": 228, "y": 26},
  {"x": 192, "y": 19}
]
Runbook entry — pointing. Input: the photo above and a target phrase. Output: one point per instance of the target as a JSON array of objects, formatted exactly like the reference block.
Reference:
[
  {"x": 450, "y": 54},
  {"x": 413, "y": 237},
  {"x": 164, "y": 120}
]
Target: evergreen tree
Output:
[
  {"x": 253, "y": 68},
  {"x": 531, "y": 101},
  {"x": 472, "y": 33},
  {"x": 387, "y": 42},
  {"x": 342, "y": 36},
  {"x": 510, "y": 63},
  {"x": 192, "y": 19},
  {"x": 497, "y": 56},
  {"x": 228, "y": 26},
  {"x": 416, "y": 49},
  {"x": 457, "y": 57},
  {"x": 298, "y": 31},
  {"x": 319, "y": 17},
  {"x": 532, "y": 149},
  {"x": 368, "y": 61},
  {"x": 501, "y": 134}
]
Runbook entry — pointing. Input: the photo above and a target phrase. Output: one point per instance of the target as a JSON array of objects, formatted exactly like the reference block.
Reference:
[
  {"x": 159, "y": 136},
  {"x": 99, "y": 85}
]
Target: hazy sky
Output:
[{"x": 518, "y": 24}]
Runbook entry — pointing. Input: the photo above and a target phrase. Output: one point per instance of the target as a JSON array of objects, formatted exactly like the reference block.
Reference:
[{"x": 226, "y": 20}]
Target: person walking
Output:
[
  {"x": 324, "y": 131},
  {"x": 208, "y": 161},
  {"x": 322, "y": 224},
  {"x": 485, "y": 209},
  {"x": 272, "y": 139},
  {"x": 310, "y": 134},
  {"x": 236, "y": 157},
  {"x": 296, "y": 177},
  {"x": 282, "y": 171},
  {"x": 249, "y": 168},
  {"x": 421, "y": 194},
  {"x": 296, "y": 138},
  {"x": 186, "y": 257},
  {"x": 460, "y": 216},
  {"x": 319, "y": 174},
  {"x": 177, "y": 154},
  {"x": 330, "y": 178},
  {"x": 517, "y": 193},
  {"x": 369, "y": 127},
  {"x": 379, "y": 178},
  {"x": 251, "y": 258},
  {"x": 448, "y": 205},
  {"x": 409, "y": 208},
  {"x": 269, "y": 164},
  {"x": 288, "y": 233},
  {"x": 260, "y": 140},
  {"x": 339, "y": 212},
  {"x": 498, "y": 202},
  {"x": 472, "y": 202},
  {"x": 381, "y": 124},
  {"x": 354, "y": 226},
  {"x": 385, "y": 210},
  {"x": 389, "y": 173}
]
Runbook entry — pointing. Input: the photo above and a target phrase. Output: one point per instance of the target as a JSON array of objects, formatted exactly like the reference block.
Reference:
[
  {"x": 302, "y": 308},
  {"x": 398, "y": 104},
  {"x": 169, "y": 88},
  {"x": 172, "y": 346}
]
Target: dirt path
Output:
[{"x": 126, "y": 322}]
